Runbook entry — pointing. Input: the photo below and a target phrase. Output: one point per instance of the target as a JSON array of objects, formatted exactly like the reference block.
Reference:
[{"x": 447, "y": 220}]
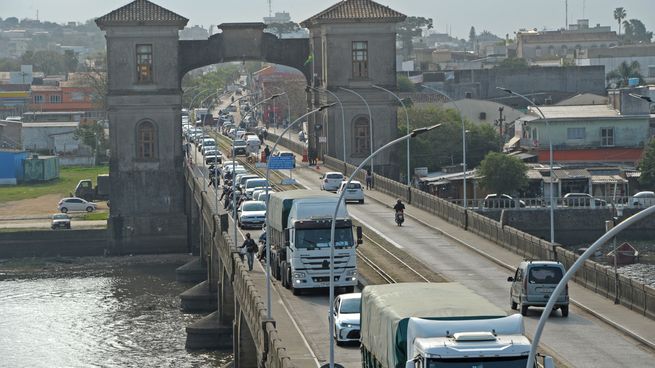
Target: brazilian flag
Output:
[{"x": 310, "y": 59}]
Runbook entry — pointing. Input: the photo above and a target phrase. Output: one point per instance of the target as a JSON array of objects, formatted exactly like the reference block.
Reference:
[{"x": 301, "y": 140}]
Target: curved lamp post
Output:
[
  {"x": 552, "y": 179},
  {"x": 411, "y": 134},
  {"x": 571, "y": 272},
  {"x": 268, "y": 170},
  {"x": 343, "y": 119},
  {"x": 370, "y": 123},
  {"x": 407, "y": 120},
  {"x": 461, "y": 118}
]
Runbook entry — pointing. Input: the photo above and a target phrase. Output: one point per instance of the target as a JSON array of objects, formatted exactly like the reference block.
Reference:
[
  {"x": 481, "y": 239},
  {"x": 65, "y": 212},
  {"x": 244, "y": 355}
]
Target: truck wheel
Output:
[
  {"x": 89, "y": 209},
  {"x": 285, "y": 272},
  {"x": 64, "y": 209},
  {"x": 513, "y": 305},
  {"x": 361, "y": 201},
  {"x": 524, "y": 310},
  {"x": 350, "y": 289},
  {"x": 295, "y": 291},
  {"x": 565, "y": 311}
]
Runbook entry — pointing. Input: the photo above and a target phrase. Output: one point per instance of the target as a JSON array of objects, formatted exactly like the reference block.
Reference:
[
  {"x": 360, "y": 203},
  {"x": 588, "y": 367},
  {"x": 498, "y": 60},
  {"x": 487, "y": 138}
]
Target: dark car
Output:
[
  {"x": 60, "y": 221},
  {"x": 240, "y": 147}
]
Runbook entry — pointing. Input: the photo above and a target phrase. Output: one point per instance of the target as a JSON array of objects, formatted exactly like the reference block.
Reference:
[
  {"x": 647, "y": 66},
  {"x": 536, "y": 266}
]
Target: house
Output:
[
  {"x": 584, "y": 134},
  {"x": 53, "y": 137}
]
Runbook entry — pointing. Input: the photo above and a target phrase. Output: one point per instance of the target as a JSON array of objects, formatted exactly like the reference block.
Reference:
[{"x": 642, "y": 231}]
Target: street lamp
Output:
[
  {"x": 343, "y": 119},
  {"x": 407, "y": 120},
  {"x": 550, "y": 164},
  {"x": 288, "y": 105},
  {"x": 370, "y": 122},
  {"x": 268, "y": 170},
  {"x": 461, "y": 118},
  {"x": 409, "y": 135},
  {"x": 571, "y": 272}
]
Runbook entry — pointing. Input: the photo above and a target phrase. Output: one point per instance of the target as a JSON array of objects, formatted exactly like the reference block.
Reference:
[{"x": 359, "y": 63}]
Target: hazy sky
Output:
[{"x": 498, "y": 16}]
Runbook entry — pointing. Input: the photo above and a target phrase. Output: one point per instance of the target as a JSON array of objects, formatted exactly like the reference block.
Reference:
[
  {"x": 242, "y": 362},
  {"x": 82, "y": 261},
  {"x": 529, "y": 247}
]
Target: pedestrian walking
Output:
[
  {"x": 267, "y": 152},
  {"x": 369, "y": 179},
  {"x": 251, "y": 248}
]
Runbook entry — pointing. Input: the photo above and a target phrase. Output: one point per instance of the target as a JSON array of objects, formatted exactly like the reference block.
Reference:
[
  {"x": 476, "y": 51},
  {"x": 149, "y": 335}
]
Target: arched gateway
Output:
[{"x": 145, "y": 65}]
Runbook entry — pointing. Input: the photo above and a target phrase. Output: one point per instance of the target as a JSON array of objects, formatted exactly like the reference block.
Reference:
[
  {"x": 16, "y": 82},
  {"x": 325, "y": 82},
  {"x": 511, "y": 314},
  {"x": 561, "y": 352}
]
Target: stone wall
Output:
[{"x": 64, "y": 243}]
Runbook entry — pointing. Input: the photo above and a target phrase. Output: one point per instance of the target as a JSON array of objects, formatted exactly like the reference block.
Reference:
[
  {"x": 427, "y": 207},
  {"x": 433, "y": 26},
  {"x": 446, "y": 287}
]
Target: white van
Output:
[{"x": 253, "y": 143}]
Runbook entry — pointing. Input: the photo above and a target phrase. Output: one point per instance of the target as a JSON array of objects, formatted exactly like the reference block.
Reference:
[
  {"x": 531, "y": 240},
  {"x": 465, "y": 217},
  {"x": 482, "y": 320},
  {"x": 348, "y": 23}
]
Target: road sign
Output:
[
  {"x": 322, "y": 139},
  {"x": 280, "y": 162},
  {"x": 260, "y": 165}
]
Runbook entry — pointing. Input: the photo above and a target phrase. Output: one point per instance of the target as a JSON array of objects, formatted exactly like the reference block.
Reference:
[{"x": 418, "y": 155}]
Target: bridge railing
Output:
[{"x": 597, "y": 277}]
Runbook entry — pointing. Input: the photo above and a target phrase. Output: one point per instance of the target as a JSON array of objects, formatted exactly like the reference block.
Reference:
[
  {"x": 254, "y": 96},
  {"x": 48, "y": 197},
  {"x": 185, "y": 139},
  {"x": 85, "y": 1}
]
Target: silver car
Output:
[
  {"x": 347, "y": 309},
  {"x": 534, "y": 282},
  {"x": 252, "y": 214},
  {"x": 75, "y": 204}
]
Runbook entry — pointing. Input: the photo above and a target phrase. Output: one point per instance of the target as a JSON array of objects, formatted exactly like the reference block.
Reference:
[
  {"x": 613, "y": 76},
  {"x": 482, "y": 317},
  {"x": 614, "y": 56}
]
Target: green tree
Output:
[
  {"x": 619, "y": 16},
  {"x": 503, "y": 174},
  {"x": 404, "y": 84},
  {"x": 411, "y": 27},
  {"x": 514, "y": 63},
  {"x": 624, "y": 72},
  {"x": 635, "y": 32},
  {"x": 472, "y": 35},
  {"x": 93, "y": 135},
  {"x": 70, "y": 61},
  {"x": 444, "y": 148},
  {"x": 647, "y": 166}
]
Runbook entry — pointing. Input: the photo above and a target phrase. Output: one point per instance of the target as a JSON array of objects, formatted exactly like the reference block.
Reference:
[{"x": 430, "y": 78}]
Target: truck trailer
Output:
[
  {"x": 439, "y": 325},
  {"x": 87, "y": 191},
  {"x": 299, "y": 228}
]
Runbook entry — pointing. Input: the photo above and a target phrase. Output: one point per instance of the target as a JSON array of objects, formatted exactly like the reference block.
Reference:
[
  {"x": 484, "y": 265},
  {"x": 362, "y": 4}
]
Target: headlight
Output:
[
  {"x": 298, "y": 275},
  {"x": 351, "y": 272}
]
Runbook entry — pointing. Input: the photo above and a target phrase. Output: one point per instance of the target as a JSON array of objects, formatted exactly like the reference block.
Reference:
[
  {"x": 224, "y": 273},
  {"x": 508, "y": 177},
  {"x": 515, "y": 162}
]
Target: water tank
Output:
[
  {"x": 632, "y": 82},
  {"x": 421, "y": 171}
]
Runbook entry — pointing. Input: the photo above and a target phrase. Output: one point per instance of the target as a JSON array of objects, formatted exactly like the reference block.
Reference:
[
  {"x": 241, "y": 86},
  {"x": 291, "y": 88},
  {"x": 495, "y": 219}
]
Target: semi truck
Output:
[
  {"x": 439, "y": 325},
  {"x": 87, "y": 191},
  {"x": 299, "y": 224}
]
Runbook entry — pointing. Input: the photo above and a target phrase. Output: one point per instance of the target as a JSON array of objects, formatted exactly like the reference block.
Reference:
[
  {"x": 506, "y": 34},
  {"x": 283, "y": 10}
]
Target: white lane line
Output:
[{"x": 377, "y": 232}]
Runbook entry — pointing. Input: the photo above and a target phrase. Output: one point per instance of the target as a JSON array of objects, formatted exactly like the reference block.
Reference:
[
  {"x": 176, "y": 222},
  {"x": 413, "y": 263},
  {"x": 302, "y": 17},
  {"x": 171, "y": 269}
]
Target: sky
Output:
[{"x": 455, "y": 16}]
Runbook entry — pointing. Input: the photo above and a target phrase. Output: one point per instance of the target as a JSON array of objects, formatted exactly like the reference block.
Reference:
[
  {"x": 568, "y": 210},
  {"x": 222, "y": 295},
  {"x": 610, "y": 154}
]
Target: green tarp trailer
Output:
[
  {"x": 41, "y": 168},
  {"x": 386, "y": 310}
]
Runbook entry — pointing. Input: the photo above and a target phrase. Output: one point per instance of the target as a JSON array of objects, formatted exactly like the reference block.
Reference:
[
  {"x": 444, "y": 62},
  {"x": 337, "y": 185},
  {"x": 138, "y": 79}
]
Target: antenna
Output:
[
  {"x": 270, "y": 12},
  {"x": 566, "y": 14}
]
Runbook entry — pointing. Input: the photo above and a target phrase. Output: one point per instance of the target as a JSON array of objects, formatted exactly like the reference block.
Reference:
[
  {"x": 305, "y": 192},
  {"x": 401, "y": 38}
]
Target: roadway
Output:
[{"x": 581, "y": 340}]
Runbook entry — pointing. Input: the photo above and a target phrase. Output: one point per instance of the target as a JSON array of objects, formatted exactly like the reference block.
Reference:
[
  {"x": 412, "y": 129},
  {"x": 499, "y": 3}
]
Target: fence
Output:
[{"x": 632, "y": 293}]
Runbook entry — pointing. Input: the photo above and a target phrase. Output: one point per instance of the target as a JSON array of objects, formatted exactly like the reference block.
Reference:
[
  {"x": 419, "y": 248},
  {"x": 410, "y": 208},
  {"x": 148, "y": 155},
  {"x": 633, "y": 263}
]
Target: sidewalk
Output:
[{"x": 631, "y": 323}]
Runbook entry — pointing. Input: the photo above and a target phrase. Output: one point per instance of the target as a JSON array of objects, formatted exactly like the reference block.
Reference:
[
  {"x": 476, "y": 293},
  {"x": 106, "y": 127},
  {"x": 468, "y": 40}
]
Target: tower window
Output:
[{"x": 144, "y": 63}]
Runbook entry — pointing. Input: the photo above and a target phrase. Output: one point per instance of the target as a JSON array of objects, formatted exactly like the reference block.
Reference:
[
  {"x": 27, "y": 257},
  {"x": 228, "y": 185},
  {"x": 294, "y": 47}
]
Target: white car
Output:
[
  {"x": 643, "y": 199},
  {"x": 331, "y": 181},
  {"x": 252, "y": 214},
  {"x": 347, "y": 308},
  {"x": 354, "y": 192},
  {"x": 75, "y": 204}
]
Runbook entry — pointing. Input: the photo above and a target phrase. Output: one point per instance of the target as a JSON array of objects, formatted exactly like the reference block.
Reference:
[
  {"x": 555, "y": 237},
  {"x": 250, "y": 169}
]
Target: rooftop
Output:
[
  {"x": 142, "y": 12},
  {"x": 355, "y": 10},
  {"x": 576, "y": 111},
  {"x": 54, "y": 124}
]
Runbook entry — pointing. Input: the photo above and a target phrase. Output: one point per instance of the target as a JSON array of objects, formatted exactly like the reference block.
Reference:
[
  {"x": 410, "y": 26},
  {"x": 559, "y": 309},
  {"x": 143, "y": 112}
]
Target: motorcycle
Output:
[{"x": 400, "y": 218}]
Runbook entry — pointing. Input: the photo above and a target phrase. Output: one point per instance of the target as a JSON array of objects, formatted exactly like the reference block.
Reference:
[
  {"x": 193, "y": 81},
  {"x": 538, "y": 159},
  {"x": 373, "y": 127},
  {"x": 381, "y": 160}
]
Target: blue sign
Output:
[{"x": 280, "y": 162}]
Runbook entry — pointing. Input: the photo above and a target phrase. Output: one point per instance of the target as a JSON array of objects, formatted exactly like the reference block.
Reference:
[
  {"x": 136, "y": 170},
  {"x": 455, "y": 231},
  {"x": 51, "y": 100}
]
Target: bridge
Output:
[{"x": 441, "y": 241}]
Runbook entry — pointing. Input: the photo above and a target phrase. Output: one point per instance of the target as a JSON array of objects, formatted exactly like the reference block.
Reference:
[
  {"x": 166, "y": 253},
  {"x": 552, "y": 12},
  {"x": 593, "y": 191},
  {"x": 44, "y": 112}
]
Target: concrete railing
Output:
[
  {"x": 263, "y": 330},
  {"x": 594, "y": 276},
  {"x": 294, "y": 146}
]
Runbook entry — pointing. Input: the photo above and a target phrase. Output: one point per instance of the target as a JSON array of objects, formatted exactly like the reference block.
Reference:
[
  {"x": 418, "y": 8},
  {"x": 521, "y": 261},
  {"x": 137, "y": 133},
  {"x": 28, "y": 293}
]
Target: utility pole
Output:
[{"x": 501, "y": 123}]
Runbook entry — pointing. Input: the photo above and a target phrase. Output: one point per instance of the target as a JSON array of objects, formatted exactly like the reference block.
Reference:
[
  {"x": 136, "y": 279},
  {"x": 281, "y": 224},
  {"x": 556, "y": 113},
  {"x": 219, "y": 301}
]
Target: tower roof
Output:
[
  {"x": 141, "y": 12},
  {"x": 356, "y": 10}
]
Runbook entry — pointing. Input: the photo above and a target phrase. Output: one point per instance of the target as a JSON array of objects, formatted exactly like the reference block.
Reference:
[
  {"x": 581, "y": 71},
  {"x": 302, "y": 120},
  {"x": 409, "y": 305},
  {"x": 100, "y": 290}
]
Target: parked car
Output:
[
  {"x": 240, "y": 147},
  {"x": 75, "y": 204},
  {"x": 347, "y": 317},
  {"x": 354, "y": 191},
  {"x": 250, "y": 185},
  {"x": 260, "y": 194},
  {"x": 206, "y": 142},
  {"x": 213, "y": 158},
  {"x": 643, "y": 199},
  {"x": 501, "y": 201},
  {"x": 60, "y": 221},
  {"x": 582, "y": 200},
  {"x": 532, "y": 284},
  {"x": 331, "y": 181},
  {"x": 252, "y": 214},
  {"x": 286, "y": 154},
  {"x": 242, "y": 178}
]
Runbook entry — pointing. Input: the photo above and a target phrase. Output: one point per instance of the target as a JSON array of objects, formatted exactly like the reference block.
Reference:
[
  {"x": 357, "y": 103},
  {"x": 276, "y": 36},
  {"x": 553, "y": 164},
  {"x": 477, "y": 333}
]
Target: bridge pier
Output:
[
  {"x": 245, "y": 351},
  {"x": 193, "y": 216}
]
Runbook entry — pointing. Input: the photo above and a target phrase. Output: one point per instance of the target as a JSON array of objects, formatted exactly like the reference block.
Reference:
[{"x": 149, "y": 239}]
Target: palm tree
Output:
[
  {"x": 619, "y": 15},
  {"x": 624, "y": 72}
]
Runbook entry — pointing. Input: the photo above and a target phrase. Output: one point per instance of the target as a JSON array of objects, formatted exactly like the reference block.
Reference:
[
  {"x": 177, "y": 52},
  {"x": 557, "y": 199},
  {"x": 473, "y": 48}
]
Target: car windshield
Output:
[
  {"x": 255, "y": 206},
  {"x": 354, "y": 186},
  {"x": 545, "y": 275},
  {"x": 60, "y": 216},
  {"x": 334, "y": 176},
  {"x": 506, "y": 362},
  {"x": 239, "y": 143},
  {"x": 350, "y": 306},
  {"x": 320, "y": 238}
]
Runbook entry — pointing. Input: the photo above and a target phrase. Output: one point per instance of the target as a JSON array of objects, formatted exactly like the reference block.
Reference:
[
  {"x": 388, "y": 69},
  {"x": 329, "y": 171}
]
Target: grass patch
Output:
[
  {"x": 93, "y": 216},
  {"x": 65, "y": 184}
]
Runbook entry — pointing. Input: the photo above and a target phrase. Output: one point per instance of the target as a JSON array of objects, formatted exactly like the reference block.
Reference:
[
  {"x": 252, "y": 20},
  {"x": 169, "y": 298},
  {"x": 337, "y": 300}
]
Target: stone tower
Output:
[
  {"x": 354, "y": 46},
  {"x": 144, "y": 102}
]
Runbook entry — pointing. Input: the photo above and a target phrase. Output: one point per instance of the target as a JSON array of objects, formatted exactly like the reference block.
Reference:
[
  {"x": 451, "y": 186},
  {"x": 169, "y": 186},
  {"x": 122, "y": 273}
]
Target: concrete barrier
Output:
[{"x": 50, "y": 243}]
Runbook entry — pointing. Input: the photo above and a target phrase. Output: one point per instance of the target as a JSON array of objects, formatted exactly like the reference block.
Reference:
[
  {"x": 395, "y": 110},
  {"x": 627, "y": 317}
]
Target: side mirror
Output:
[
  {"x": 360, "y": 235},
  {"x": 510, "y": 279},
  {"x": 548, "y": 362}
]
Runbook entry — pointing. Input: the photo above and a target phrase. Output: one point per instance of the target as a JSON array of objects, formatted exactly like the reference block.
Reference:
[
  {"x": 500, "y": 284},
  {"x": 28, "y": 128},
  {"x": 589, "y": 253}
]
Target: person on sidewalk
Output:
[
  {"x": 267, "y": 152},
  {"x": 251, "y": 248},
  {"x": 369, "y": 179}
]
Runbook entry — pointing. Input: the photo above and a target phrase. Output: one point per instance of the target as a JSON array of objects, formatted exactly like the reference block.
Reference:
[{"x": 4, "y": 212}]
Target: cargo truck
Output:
[
  {"x": 87, "y": 191},
  {"x": 299, "y": 228},
  {"x": 439, "y": 325}
]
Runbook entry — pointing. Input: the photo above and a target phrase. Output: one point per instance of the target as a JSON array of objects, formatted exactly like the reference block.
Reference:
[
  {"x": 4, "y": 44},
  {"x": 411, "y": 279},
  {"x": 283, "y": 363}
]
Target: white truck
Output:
[
  {"x": 299, "y": 228},
  {"x": 439, "y": 325}
]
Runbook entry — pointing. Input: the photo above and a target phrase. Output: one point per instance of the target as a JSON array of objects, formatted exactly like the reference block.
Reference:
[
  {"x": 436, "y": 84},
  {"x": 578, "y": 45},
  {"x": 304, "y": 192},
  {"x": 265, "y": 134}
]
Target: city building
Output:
[{"x": 612, "y": 57}]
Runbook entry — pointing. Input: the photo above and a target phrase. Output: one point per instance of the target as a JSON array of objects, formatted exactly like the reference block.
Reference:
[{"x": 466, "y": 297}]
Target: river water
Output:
[{"x": 125, "y": 315}]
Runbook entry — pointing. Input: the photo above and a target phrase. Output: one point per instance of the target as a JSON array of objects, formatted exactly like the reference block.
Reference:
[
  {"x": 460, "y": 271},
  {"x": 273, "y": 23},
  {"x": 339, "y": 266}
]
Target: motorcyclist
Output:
[{"x": 399, "y": 207}]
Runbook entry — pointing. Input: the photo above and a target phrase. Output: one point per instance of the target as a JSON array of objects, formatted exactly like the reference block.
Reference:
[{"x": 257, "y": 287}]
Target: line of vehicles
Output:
[{"x": 447, "y": 326}]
